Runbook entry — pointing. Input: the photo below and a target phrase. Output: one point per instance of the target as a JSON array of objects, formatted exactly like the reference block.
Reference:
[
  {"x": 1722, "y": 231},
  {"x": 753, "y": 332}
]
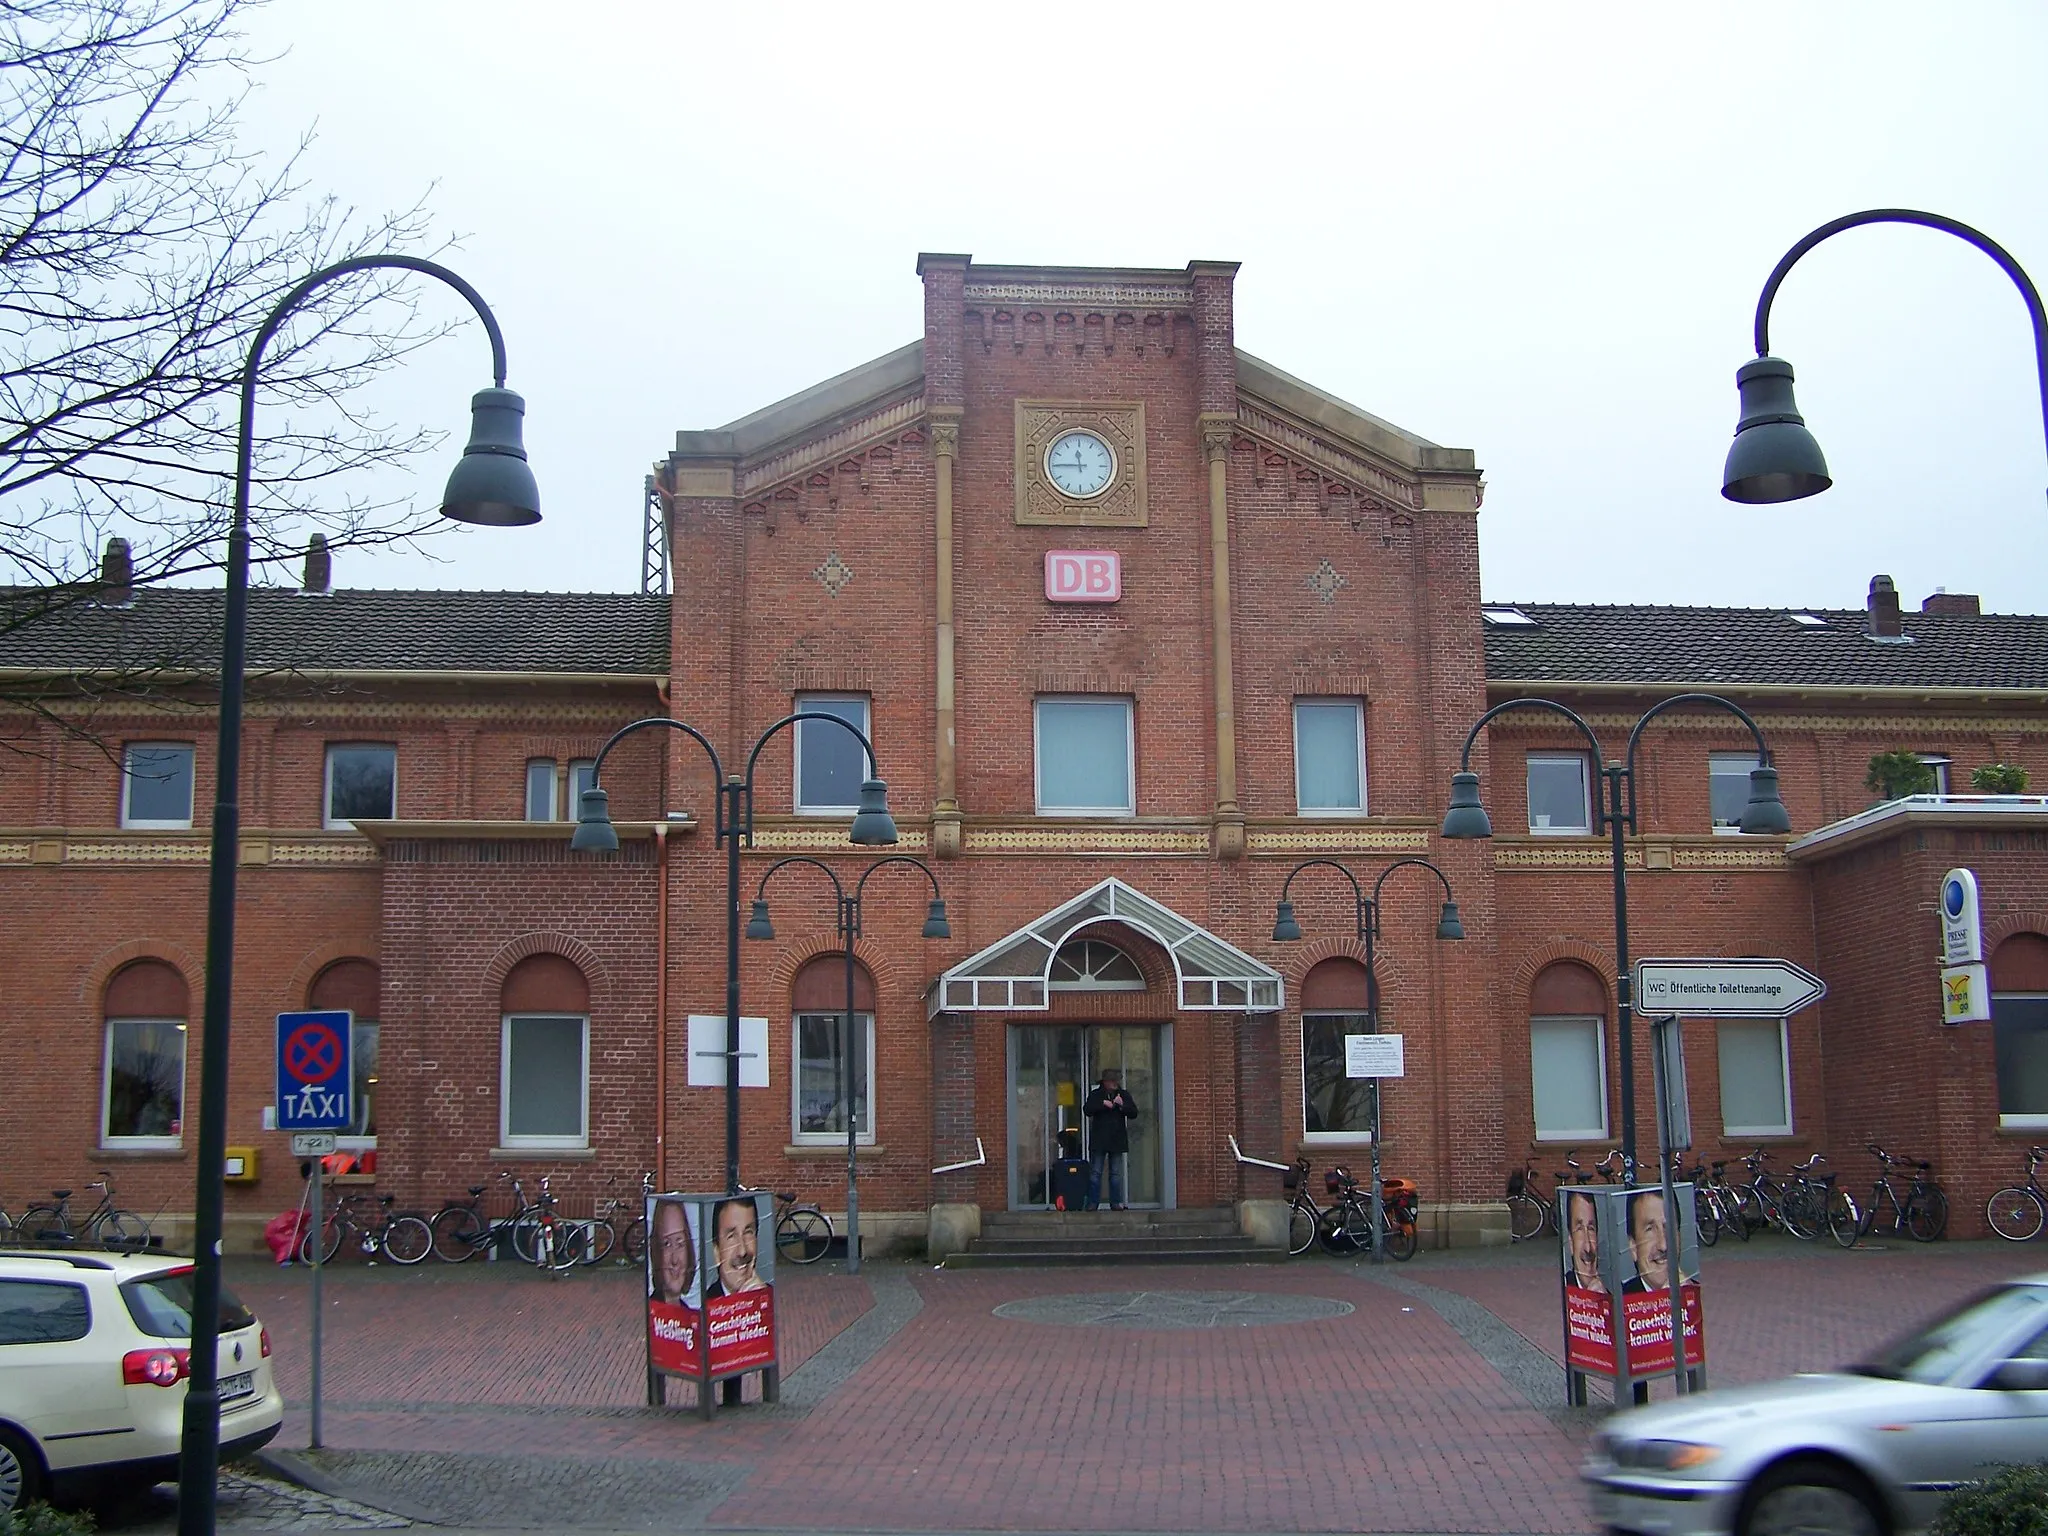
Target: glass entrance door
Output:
[{"x": 1052, "y": 1069}]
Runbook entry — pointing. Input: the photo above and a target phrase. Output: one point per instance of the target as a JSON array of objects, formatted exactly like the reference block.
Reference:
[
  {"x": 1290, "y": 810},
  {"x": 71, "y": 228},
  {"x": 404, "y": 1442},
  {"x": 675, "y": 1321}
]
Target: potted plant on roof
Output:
[
  {"x": 2000, "y": 779},
  {"x": 1897, "y": 774}
]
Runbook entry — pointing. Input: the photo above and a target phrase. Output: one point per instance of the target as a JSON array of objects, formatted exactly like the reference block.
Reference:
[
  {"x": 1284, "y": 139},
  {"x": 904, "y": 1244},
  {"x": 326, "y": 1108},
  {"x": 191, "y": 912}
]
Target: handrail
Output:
[
  {"x": 1256, "y": 1162},
  {"x": 980, "y": 1157}
]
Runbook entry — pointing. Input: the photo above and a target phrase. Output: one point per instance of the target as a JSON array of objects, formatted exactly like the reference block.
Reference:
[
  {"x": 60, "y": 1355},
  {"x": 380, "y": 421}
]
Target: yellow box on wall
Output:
[{"x": 241, "y": 1165}]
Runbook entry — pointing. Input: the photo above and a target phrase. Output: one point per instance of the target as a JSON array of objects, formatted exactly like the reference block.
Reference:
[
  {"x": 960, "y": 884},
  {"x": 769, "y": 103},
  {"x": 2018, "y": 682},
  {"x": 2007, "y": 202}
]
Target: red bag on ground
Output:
[{"x": 284, "y": 1233}]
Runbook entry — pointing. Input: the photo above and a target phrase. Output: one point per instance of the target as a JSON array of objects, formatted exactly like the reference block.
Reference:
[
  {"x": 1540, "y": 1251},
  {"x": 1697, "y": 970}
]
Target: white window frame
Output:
[
  {"x": 1329, "y": 1138},
  {"x": 1586, "y": 771},
  {"x": 1357, "y": 708},
  {"x": 112, "y": 1143},
  {"x": 346, "y": 823},
  {"x": 1573, "y": 1134},
  {"x": 1130, "y": 710},
  {"x": 2018, "y": 1122},
  {"x": 800, "y": 1137},
  {"x": 344, "y": 1141},
  {"x": 532, "y": 764},
  {"x": 144, "y": 824},
  {"x": 506, "y": 1138},
  {"x": 796, "y": 757},
  {"x": 1739, "y": 1132},
  {"x": 1750, "y": 762}
]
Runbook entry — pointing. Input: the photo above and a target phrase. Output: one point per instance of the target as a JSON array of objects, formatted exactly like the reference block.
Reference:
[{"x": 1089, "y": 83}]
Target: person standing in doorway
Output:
[{"x": 1110, "y": 1111}]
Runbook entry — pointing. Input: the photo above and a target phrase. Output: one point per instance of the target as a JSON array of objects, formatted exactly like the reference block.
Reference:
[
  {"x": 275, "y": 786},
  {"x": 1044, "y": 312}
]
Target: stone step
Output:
[{"x": 1124, "y": 1255}]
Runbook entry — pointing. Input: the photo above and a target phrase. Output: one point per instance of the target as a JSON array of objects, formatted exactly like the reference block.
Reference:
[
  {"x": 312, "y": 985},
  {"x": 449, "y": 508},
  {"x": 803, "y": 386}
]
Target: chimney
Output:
[
  {"x": 117, "y": 574},
  {"x": 319, "y": 565},
  {"x": 1883, "y": 609},
  {"x": 1955, "y": 604}
]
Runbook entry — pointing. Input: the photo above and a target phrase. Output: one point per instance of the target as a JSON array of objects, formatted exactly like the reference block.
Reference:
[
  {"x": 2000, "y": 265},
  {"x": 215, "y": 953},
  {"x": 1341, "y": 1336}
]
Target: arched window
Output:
[
  {"x": 1333, "y": 1003},
  {"x": 353, "y": 984},
  {"x": 1092, "y": 965},
  {"x": 817, "y": 1004},
  {"x": 1568, "y": 1052},
  {"x": 544, "y": 1055},
  {"x": 2019, "y": 1029},
  {"x": 142, "y": 1094}
]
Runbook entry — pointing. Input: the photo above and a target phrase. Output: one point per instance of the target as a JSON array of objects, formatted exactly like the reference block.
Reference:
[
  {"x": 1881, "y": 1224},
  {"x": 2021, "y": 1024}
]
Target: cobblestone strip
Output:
[{"x": 1521, "y": 1364}]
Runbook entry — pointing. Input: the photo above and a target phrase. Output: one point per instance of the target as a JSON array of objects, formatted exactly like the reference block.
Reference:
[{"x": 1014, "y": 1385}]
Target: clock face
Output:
[{"x": 1080, "y": 464}]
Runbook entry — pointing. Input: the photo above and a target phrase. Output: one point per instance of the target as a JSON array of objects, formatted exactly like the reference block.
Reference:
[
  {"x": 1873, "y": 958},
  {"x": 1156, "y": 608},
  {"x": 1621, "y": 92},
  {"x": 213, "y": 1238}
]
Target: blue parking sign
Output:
[{"x": 315, "y": 1078}]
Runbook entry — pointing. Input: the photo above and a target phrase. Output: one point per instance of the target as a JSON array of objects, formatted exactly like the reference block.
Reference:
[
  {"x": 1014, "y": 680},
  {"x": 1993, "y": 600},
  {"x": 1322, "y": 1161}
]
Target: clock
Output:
[{"x": 1080, "y": 465}]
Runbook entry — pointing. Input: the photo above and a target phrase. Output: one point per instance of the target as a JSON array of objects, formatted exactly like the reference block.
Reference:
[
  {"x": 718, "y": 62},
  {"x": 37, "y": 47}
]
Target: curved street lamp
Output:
[
  {"x": 1774, "y": 458},
  {"x": 1367, "y": 912},
  {"x": 848, "y": 909},
  {"x": 1612, "y": 813},
  {"x": 872, "y": 827},
  {"x": 491, "y": 485}
]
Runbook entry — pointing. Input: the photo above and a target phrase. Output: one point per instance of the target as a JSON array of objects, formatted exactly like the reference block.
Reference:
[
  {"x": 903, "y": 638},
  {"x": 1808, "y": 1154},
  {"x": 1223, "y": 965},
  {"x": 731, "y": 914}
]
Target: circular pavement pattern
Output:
[{"x": 1171, "y": 1309}]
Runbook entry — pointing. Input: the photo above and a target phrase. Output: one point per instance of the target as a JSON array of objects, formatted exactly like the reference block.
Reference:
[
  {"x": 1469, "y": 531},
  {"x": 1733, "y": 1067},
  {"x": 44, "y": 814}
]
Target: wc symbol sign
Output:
[{"x": 315, "y": 1078}]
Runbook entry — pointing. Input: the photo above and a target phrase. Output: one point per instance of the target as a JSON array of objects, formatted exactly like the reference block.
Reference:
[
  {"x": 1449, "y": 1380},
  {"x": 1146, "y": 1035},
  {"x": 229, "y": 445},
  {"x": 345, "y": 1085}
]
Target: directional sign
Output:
[
  {"x": 1747, "y": 988},
  {"x": 315, "y": 1079}
]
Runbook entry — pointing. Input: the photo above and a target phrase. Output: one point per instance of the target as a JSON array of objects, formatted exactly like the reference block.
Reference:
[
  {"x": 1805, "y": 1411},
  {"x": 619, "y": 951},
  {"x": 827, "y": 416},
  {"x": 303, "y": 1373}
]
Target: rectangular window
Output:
[
  {"x": 362, "y": 785},
  {"x": 1728, "y": 787},
  {"x": 1756, "y": 1080},
  {"x": 830, "y": 763},
  {"x": 362, "y": 1132},
  {"x": 1559, "y": 794},
  {"x": 1329, "y": 757},
  {"x": 2019, "y": 1028},
  {"x": 820, "y": 1109},
  {"x": 540, "y": 789},
  {"x": 156, "y": 785},
  {"x": 1083, "y": 749},
  {"x": 1568, "y": 1071},
  {"x": 43, "y": 1312},
  {"x": 544, "y": 1082},
  {"x": 1332, "y": 1104},
  {"x": 143, "y": 1104}
]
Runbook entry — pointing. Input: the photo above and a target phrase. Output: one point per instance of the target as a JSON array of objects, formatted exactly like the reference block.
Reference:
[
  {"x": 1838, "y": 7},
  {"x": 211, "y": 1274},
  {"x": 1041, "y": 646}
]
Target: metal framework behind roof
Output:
[{"x": 1011, "y": 975}]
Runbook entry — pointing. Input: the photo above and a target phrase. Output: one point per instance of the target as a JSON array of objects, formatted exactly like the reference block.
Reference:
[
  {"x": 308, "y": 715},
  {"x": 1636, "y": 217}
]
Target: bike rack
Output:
[
  {"x": 1257, "y": 1162},
  {"x": 980, "y": 1157}
]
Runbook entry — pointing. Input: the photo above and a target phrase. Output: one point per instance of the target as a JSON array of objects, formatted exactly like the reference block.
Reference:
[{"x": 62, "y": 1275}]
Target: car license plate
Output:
[{"x": 242, "y": 1384}]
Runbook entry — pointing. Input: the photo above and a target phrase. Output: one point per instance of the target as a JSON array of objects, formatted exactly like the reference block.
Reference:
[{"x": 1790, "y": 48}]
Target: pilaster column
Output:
[
  {"x": 945, "y": 429},
  {"x": 1228, "y": 820}
]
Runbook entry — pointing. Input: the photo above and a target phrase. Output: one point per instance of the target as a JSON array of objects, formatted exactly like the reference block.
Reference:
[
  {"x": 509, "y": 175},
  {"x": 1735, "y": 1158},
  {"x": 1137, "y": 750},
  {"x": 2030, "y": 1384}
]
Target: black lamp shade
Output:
[
  {"x": 1450, "y": 925},
  {"x": 758, "y": 926},
  {"x": 935, "y": 924},
  {"x": 594, "y": 830},
  {"x": 1765, "y": 811},
  {"x": 1466, "y": 818},
  {"x": 492, "y": 483},
  {"x": 873, "y": 826},
  {"x": 1773, "y": 458},
  {"x": 1285, "y": 929}
]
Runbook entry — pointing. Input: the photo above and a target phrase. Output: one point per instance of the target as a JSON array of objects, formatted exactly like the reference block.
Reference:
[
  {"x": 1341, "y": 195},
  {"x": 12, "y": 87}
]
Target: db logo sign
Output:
[{"x": 1083, "y": 576}]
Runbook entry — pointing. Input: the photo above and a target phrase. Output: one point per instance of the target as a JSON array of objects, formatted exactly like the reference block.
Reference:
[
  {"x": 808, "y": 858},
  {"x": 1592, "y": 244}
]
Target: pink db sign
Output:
[{"x": 1083, "y": 575}]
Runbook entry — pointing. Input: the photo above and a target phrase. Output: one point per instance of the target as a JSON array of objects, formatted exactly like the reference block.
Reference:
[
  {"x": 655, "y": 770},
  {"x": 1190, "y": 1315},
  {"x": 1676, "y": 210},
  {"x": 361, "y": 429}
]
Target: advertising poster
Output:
[
  {"x": 674, "y": 1284},
  {"x": 1617, "y": 1257},
  {"x": 738, "y": 1272}
]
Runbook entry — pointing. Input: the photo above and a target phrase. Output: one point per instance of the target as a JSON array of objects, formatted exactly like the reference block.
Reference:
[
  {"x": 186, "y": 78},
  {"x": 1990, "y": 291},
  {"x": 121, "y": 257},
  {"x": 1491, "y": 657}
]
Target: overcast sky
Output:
[{"x": 1535, "y": 231}]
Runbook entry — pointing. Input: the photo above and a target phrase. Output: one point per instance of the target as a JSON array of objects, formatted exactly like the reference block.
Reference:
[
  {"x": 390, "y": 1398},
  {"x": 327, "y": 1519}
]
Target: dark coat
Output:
[{"x": 1109, "y": 1124}]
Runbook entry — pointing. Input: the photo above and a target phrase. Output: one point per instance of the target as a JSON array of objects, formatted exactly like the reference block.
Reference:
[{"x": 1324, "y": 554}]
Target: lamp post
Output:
[
  {"x": 872, "y": 827},
  {"x": 1614, "y": 812},
  {"x": 491, "y": 485},
  {"x": 848, "y": 906},
  {"x": 1367, "y": 911},
  {"x": 1774, "y": 458}
]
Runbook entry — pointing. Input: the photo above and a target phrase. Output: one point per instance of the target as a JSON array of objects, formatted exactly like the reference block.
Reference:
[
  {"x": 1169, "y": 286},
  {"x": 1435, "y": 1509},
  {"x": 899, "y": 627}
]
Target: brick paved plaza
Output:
[{"x": 488, "y": 1398}]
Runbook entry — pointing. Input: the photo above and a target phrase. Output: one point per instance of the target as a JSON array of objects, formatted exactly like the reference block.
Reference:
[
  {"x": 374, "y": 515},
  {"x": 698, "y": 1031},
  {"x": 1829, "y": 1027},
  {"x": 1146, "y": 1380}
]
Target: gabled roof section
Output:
[
  {"x": 1012, "y": 975},
  {"x": 1766, "y": 648}
]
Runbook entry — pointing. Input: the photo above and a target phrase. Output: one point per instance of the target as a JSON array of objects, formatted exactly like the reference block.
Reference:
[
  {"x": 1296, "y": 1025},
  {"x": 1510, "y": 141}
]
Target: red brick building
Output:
[{"x": 1136, "y": 623}]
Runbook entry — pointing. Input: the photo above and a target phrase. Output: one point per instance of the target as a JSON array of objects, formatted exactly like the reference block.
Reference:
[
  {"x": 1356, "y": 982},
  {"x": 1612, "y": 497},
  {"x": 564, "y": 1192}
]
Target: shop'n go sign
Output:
[{"x": 1083, "y": 575}]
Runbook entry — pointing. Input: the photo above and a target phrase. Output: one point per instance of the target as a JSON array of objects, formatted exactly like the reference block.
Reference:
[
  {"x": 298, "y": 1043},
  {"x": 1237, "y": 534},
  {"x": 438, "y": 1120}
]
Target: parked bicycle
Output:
[
  {"x": 401, "y": 1238},
  {"x": 1922, "y": 1215},
  {"x": 803, "y": 1233},
  {"x": 105, "y": 1224},
  {"x": 2017, "y": 1212},
  {"x": 461, "y": 1231}
]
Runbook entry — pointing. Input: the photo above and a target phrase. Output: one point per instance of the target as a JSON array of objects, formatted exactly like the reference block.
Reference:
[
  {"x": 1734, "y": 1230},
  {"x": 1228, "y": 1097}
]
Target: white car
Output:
[
  {"x": 1868, "y": 1451},
  {"x": 94, "y": 1352}
]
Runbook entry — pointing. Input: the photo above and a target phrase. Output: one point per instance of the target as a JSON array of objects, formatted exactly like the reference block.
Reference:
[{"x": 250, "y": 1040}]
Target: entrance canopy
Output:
[{"x": 1011, "y": 975}]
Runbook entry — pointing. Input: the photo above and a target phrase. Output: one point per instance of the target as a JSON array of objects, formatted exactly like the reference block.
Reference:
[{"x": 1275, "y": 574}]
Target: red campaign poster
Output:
[
  {"x": 672, "y": 1337},
  {"x": 1647, "y": 1317},
  {"x": 1588, "y": 1330},
  {"x": 742, "y": 1329}
]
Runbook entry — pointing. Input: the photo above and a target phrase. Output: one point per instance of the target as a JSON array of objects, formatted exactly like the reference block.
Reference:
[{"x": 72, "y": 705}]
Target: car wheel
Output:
[
  {"x": 1810, "y": 1498},
  {"x": 21, "y": 1473}
]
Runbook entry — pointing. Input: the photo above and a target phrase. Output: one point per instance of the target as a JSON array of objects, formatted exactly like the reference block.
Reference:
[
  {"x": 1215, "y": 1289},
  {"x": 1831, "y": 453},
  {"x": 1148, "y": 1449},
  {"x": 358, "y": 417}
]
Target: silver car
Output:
[{"x": 1868, "y": 1451}]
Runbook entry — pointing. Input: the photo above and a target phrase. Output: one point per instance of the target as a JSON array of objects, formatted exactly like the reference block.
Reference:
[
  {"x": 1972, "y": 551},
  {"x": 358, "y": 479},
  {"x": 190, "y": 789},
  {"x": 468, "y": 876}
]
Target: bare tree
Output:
[{"x": 141, "y": 247}]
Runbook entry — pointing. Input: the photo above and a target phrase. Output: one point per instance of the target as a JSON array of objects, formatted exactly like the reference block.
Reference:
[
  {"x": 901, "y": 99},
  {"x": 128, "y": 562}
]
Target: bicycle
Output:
[
  {"x": 460, "y": 1230},
  {"x": 403, "y": 1238},
  {"x": 2017, "y": 1212},
  {"x": 105, "y": 1224},
  {"x": 803, "y": 1233},
  {"x": 1923, "y": 1214},
  {"x": 1529, "y": 1214}
]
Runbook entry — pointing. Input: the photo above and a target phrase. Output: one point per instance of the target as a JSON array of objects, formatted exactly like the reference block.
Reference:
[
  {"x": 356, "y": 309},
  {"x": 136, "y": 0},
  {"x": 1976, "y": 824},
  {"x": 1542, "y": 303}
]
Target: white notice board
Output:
[
  {"x": 707, "y": 1051},
  {"x": 1374, "y": 1056}
]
